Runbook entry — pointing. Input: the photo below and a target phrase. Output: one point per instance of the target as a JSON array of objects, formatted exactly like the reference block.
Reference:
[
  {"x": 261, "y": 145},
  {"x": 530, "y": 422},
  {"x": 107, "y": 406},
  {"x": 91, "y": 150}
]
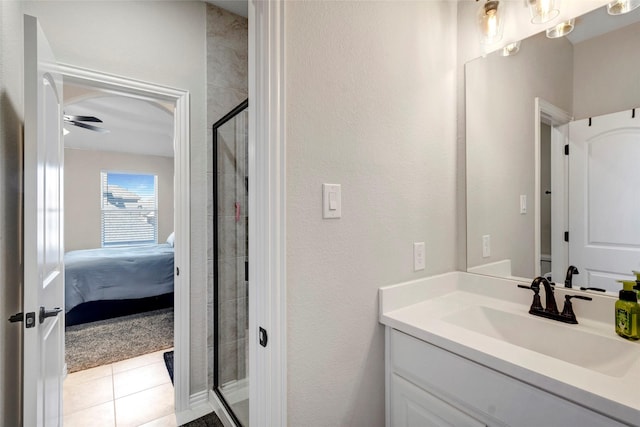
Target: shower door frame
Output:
[{"x": 216, "y": 359}]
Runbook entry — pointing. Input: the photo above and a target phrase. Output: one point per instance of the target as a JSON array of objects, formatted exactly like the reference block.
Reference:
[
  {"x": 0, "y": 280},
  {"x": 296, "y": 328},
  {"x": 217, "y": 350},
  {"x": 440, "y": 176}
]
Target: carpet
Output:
[
  {"x": 168, "y": 362},
  {"x": 107, "y": 341}
]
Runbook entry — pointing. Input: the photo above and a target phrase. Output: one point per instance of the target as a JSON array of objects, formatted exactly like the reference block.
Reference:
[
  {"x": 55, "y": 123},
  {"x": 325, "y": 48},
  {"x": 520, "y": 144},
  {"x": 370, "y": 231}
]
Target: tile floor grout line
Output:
[{"x": 113, "y": 390}]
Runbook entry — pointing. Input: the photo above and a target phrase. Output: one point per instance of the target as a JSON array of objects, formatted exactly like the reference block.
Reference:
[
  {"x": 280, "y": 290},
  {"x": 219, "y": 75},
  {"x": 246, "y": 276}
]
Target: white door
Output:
[
  {"x": 604, "y": 198},
  {"x": 43, "y": 356}
]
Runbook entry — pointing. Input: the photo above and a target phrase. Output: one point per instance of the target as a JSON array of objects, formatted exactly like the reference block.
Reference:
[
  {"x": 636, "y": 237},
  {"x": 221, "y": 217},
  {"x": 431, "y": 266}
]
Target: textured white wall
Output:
[
  {"x": 82, "y": 212},
  {"x": 162, "y": 42},
  {"x": 370, "y": 105},
  {"x": 606, "y": 73}
]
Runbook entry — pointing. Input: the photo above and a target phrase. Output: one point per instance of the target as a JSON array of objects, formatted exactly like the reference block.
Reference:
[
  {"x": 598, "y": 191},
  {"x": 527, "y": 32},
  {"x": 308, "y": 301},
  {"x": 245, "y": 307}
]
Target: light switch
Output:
[
  {"x": 331, "y": 201},
  {"x": 523, "y": 203},
  {"x": 418, "y": 256},
  {"x": 486, "y": 246}
]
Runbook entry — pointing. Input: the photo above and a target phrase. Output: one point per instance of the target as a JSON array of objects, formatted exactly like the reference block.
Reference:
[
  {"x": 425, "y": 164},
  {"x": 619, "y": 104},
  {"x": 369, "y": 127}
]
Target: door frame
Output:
[
  {"x": 182, "y": 204},
  {"x": 267, "y": 210},
  {"x": 546, "y": 112}
]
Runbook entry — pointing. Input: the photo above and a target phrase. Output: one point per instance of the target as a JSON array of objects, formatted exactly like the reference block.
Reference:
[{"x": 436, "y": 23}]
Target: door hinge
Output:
[
  {"x": 29, "y": 319},
  {"x": 177, "y": 271},
  {"x": 566, "y": 236},
  {"x": 263, "y": 337},
  {"x": 566, "y": 150}
]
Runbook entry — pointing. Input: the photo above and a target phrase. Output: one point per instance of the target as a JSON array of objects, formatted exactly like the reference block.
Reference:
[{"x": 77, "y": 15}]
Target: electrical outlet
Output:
[
  {"x": 486, "y": 246},
  {"x": 418, "y": 256}
]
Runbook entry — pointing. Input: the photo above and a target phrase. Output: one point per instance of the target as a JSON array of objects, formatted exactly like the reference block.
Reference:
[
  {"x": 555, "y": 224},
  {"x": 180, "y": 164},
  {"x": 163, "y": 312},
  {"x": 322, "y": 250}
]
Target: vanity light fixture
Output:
[
  {"x": 542, "y": 10},
  {"x": 490, "y": 21},
  {"x": 511, "y": 49},
  {"x": 619, "y": 7},
  {"x": 561, "y": 30}
]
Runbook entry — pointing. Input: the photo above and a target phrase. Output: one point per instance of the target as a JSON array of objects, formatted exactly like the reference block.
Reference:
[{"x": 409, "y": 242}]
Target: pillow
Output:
[{"x": 171, "y": 239}]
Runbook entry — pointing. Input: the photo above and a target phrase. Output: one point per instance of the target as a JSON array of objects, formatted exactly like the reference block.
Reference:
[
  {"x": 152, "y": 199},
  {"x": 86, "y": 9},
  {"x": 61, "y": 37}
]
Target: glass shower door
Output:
[{"x": 231, "y": 246}]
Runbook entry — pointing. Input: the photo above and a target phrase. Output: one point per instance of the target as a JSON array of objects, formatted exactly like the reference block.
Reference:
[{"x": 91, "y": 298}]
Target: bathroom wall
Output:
[
  {"x": 227, "y": 87},
  {"x": 606, "y": 78},
  {"x": 370, "y": 104},
  {"x": 82, "y": 187}
]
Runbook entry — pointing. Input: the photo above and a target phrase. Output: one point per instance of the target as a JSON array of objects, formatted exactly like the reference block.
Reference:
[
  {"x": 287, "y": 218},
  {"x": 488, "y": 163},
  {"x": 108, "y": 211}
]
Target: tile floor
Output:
[{"x": 132, "y": 393}]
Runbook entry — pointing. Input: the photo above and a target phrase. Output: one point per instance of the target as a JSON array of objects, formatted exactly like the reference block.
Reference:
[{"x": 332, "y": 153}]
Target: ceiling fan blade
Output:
[
  {"x": 86, "y": 126},
  {"x": 69, "y": 117}
]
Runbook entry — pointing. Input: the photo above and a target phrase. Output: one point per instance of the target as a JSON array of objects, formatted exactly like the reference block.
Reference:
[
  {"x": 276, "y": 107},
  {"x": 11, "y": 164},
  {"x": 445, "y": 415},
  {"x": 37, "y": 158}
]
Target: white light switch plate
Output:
[
  {"x": 331, "y": 201},
  {"x": 523, "y": 203},
  {"x": 486, "y": 246},
  {"x": 418, "y": 256}
]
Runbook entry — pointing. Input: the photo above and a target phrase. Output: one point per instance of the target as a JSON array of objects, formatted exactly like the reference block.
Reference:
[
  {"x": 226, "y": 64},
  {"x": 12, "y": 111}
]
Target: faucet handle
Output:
[
  {"x": 582, "y": 288},
  {"x": 536, "y": 305},
  {"x": 567, "y": 310}
]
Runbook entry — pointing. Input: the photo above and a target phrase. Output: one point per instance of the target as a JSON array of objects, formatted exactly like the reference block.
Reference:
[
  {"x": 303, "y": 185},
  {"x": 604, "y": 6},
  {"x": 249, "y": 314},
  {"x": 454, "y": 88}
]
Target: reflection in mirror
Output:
[{"x": 517, "y": 109}]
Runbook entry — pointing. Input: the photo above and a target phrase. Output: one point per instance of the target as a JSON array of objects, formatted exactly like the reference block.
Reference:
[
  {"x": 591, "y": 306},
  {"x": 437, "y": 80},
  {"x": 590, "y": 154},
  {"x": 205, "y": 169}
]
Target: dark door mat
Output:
[
  {"x": 209, "y": 420},
  {"x": 168, "y": 362}
]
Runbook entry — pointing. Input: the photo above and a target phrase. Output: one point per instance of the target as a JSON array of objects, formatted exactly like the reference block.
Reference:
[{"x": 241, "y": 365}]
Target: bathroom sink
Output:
[{"x": 608, "y": 355}]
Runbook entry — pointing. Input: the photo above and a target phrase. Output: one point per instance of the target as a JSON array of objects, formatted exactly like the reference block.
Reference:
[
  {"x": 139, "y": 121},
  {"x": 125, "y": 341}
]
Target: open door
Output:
[{"x": 43, "y": 354}]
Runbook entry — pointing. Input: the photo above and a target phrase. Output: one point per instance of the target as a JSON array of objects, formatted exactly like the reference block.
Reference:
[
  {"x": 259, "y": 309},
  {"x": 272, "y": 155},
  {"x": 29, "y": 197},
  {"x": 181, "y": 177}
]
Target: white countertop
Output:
[{"x": 424, "y": 309}]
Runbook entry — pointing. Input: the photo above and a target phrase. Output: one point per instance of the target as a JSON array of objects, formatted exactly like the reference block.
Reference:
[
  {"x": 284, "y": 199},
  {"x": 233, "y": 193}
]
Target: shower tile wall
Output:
[
  {"x": 227, "y": 86},
  {"x": 232, "y": 248}
]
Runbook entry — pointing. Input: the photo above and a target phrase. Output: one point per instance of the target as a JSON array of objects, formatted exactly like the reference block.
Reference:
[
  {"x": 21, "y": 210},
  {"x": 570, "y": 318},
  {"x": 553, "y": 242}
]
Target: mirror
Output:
[{"x": 517, "y": 109}]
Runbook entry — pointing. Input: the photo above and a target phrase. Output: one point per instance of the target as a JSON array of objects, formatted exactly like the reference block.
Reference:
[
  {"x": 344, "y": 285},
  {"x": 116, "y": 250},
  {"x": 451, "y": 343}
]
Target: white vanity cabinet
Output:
[
  {"x": 429, "y": 386},
  {"x": 414, "y": 406}
]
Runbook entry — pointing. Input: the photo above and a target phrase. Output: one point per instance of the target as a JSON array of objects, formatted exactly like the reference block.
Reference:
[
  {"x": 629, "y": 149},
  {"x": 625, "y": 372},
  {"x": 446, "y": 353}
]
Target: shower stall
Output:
[{"x": 231, "y": 261}]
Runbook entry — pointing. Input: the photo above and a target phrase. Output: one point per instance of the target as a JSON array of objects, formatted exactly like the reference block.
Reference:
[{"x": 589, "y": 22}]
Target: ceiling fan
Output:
[{"x": 78, "y": 121}]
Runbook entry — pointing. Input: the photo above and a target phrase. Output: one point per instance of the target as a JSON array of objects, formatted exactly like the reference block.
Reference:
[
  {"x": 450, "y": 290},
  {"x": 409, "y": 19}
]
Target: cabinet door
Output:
[{"x": 412, "y": 406}]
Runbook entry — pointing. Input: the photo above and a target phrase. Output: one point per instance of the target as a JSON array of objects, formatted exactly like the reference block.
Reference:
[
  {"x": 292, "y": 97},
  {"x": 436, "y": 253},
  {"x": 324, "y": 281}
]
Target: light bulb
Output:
[
  {"x": 542, "y": 10},
  {"x": 561, "y": 30},
  {"x": 511, "y": 49},
  {"x": 490, "y": 22},
  {"x": 620, "y": 7}
]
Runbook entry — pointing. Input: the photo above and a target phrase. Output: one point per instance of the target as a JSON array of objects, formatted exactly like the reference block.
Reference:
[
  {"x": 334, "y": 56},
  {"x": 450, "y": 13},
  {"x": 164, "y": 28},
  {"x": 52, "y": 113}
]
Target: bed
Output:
[{"x": 104, "y": 282}]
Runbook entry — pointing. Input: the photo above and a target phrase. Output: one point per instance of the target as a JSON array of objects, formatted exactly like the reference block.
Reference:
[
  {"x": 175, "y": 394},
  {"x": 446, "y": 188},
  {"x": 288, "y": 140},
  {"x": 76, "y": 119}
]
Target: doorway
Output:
[
  {"x": 551, "y": 180},
  {"x": 158, "y": 233}
]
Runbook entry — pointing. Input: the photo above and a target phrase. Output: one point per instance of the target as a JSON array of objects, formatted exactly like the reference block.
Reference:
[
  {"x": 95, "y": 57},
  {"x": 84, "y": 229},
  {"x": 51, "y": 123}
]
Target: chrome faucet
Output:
[
  {"x": 570, "y": 272},
  {"x": 551, "y": 309}
]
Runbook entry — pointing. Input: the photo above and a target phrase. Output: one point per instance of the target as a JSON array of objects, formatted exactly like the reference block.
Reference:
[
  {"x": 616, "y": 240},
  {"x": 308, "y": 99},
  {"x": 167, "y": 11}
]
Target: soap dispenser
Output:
[{"x": 627, "y": 313}]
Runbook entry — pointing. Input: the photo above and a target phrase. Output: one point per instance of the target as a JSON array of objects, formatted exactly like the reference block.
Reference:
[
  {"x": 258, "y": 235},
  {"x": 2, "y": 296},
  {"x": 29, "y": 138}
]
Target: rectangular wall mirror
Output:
[{"x": 531, "y": 209}]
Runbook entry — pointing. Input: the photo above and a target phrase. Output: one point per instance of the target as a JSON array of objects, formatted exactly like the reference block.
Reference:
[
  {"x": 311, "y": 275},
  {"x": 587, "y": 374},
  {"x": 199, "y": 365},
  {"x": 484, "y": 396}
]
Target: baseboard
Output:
[
  {"x": 220, "y": 410},
  {"x": 199, "y": 406}
]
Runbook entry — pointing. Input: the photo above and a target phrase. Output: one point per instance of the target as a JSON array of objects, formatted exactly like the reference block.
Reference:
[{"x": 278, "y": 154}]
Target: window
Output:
[{"x": 129, "y": 209}]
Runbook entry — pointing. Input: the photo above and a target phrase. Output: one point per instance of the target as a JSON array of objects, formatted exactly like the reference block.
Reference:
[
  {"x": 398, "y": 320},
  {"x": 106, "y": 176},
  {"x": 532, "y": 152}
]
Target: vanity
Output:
[{"x": 462, "y": 350}]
